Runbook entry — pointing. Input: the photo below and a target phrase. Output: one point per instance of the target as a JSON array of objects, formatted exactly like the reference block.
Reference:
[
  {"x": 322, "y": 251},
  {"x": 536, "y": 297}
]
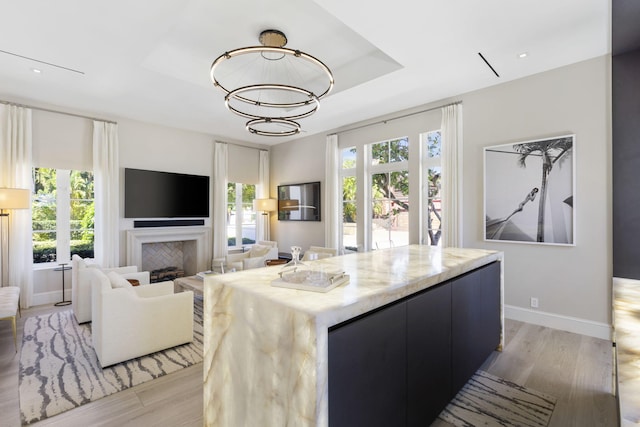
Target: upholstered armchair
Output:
[
  {"x": 254, "y": 257},
  {"x": 130, "y": 322},
  {"x": 81, "y": 286},
  {"x": 318, "y": 252}
]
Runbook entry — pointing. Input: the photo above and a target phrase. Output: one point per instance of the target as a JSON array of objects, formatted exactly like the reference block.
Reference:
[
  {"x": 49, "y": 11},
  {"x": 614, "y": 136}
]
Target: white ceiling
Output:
[{"x": 149, "y": 60}]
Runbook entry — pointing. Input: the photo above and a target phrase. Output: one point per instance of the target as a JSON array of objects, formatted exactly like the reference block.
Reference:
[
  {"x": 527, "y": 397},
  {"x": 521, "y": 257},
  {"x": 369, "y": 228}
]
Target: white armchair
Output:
[
  {"x": 81, "y": 285},
  {"x": 130, "y": 322},
  {"x": 254, "y": 257},
  {"x": 319, "y": 252}
]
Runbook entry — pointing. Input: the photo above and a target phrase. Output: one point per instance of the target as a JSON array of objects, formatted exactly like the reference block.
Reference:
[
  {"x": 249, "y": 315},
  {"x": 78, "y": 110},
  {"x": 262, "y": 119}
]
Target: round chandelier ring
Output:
[
  {"x": 294, "y": 127},
  {"x": 270, "y": 49},
  {"x": 235, "y": 94}
]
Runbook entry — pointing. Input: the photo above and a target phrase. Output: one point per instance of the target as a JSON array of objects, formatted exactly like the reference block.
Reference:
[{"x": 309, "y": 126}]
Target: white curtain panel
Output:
[
  {"x": 262, "y": 192},
  {"x": 451, "y": 128},
  {"x": 15, "y": 172},
  {"x": 106, "y": 175},
  {"x": 220, "y": 159},
  {"x": 332, "y": 194}
]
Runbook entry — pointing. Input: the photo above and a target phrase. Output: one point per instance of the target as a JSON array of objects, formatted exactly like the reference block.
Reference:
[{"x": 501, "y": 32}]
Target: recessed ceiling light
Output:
[
  {"x": 36, "y": 70},
  {"x": 523, "y": 55}
]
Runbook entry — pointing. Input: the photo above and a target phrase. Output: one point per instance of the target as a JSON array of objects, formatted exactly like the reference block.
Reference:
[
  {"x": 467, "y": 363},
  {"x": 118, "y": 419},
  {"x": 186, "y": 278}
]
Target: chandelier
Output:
[{"x": 270, "y": 85}]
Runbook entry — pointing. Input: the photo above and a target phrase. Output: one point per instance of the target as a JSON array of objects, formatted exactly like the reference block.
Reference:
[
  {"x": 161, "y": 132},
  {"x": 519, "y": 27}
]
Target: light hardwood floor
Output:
[{"x": 576, "y": 369}]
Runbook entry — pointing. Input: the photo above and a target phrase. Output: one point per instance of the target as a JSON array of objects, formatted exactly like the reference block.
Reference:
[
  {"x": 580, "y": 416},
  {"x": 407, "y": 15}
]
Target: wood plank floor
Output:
[{"x": 576, "y": 369}]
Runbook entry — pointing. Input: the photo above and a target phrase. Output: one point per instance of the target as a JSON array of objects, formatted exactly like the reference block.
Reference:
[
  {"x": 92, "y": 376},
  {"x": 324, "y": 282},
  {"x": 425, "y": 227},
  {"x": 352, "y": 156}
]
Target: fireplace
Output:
[{"x": 180, "y": 249}]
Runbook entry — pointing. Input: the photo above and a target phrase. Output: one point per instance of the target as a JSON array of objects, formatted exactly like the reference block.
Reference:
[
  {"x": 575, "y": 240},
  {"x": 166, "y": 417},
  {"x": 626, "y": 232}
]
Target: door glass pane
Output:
[
  {"x": 399, "y": 150},
  {"x": 434, "y": 206},
  {"x": 348, "y": 158},
  {"x": 433, "y": 144},
  {"x": 349, "y": 210},
  {"x": 380, "y": 153}
]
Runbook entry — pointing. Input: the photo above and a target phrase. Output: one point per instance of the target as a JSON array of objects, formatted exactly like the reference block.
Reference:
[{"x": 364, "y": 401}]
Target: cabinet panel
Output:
[
  {"x": 368, "y": 370},
  {"x": 429, "y": 354},
  {"x": 475, "y": 321}
]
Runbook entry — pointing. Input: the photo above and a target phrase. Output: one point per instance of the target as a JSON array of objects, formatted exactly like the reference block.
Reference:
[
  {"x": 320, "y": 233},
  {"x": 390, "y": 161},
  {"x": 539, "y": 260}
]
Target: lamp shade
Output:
[
  {"x": 15, "y": 198},
  {"x": 265, "y": 205}
]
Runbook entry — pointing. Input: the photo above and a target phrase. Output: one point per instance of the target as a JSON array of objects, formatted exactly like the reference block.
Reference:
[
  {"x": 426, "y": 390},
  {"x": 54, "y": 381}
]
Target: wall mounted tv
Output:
[
  {"x": 299, "y": 202},
  {"x": 155, "y": 194}
]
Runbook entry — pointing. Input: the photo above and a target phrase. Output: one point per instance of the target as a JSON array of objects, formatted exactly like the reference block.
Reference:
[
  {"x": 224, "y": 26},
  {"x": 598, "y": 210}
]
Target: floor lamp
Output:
[
  {"x": 266, "y": 206},
  {"x": 10, "y": 198}
]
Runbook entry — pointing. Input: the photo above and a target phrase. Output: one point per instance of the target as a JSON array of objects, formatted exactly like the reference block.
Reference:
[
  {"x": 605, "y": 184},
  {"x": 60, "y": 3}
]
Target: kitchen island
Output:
[{"x": 276, "y": 356}]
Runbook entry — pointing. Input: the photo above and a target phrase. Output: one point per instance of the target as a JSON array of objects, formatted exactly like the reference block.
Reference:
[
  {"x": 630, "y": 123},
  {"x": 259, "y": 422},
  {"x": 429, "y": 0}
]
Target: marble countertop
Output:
[
  {"x": 376, "y": 278},
  {"x": 627, "y": 338},
  {"x": 266, "y": 348}
]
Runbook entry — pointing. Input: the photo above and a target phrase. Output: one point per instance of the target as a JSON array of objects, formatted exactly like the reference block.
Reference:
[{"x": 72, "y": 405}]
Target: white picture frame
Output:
[{"x": 522, "y": 202}]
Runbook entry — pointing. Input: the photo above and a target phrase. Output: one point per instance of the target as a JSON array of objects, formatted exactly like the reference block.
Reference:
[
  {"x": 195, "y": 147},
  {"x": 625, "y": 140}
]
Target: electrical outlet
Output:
[{"x": 534, "y": 302}]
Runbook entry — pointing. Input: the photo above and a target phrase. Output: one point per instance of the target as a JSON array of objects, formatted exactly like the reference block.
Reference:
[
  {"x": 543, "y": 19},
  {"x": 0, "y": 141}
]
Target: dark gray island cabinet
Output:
[
  {"x": 390, "y": 348},
  {"x": 401, "y": 364}
]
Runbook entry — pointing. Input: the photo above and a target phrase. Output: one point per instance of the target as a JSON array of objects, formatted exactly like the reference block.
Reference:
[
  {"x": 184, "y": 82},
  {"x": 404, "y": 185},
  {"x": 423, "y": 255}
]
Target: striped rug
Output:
[
  {"x": 487, "y": 400},
  {"x": 59, "y": 369}
]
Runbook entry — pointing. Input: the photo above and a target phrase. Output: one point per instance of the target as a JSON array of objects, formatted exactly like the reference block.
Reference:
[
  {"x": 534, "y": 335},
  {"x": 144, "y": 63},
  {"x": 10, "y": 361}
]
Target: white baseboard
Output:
[
  {"x": 558, "y": 321},
  {"x": 43, "y": 298}
]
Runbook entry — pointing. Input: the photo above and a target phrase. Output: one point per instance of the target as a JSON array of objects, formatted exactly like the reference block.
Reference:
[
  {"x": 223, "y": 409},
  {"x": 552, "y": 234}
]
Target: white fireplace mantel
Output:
[{"x": 201, "y": 235}]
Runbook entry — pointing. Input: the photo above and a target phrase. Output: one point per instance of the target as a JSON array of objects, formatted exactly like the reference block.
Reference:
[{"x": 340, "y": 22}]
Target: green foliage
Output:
[
  {"x": 231, "y": 241},
  {"x": 349, "y": 197},
  {"x": 46, "y": 251}
]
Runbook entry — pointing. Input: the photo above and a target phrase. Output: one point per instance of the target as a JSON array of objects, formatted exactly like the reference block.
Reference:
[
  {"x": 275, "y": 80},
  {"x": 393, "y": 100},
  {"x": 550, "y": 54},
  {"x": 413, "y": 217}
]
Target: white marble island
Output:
[{"x": 266, "y": 348}]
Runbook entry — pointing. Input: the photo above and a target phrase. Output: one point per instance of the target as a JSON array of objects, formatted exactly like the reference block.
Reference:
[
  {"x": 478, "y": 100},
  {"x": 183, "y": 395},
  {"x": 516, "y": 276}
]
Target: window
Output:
[
  {"x": 241, "y": 218},
  {"x": 349, "y": 206},
  {"x": 62, "y": 215},
  {"x": 389, "y": 193},
  {"x": 432, "y": 226}
]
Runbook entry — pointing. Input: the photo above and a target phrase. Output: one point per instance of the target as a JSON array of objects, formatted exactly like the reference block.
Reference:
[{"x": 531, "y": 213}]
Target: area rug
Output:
[
  {"x": 59, "y": 369},
  {"x": 487, "y": 400}
]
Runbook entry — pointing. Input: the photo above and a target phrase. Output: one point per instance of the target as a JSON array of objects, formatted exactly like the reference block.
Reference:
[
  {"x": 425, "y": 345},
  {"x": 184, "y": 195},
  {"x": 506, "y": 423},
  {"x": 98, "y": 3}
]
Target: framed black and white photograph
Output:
[{"x": 529, "y": 191}]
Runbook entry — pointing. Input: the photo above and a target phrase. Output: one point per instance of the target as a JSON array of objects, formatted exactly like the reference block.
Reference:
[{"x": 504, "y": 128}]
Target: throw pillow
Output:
[
  {"x": 117, "y": 281},
  {"x": 258, "y": 250}
]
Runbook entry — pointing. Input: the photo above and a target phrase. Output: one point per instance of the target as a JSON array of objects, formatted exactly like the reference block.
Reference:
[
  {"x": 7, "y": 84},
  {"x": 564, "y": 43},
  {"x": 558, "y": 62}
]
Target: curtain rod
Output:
[
  {"x": 240, "y": 145},
  {"x": 395, "y": 118},
  {"x": 55, "y": 111}
]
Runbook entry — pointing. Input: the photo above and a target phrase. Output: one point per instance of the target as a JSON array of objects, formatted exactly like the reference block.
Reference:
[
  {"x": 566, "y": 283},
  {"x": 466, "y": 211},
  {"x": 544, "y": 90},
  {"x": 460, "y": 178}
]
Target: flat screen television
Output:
[
  {"x": 299, "y": 202},
  {"x": 155, "y": 194}
]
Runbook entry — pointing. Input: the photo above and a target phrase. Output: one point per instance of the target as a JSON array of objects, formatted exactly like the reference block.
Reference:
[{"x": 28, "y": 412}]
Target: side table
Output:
[{"x": 63, "y": 267}]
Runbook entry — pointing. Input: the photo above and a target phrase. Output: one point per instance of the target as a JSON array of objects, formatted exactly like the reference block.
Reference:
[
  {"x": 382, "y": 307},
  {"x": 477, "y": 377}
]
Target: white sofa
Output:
[
  {"x": 130, "y": 322},
  {"x": 81, "y": 286},
  {"x": 255, "y": 257},
  {"x": 318, "y": 252}
]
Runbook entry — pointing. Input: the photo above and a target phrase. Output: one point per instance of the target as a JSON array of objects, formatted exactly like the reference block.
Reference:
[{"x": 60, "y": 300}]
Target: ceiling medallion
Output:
[{"x": 271, "y": 85}]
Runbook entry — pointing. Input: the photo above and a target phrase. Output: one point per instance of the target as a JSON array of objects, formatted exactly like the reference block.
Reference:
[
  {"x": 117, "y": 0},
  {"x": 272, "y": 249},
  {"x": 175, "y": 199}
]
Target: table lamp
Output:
[{"x": 266, "y": 206}]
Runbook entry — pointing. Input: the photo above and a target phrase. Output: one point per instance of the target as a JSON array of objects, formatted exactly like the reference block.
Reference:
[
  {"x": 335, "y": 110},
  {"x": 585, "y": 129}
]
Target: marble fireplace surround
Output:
[{"x": 198, "y": 238}]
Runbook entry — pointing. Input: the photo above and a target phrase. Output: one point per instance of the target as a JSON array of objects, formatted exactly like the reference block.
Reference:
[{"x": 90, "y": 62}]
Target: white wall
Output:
[
  {"x": 572, "y": 283},
  {"x": 292, "y": 163}
]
